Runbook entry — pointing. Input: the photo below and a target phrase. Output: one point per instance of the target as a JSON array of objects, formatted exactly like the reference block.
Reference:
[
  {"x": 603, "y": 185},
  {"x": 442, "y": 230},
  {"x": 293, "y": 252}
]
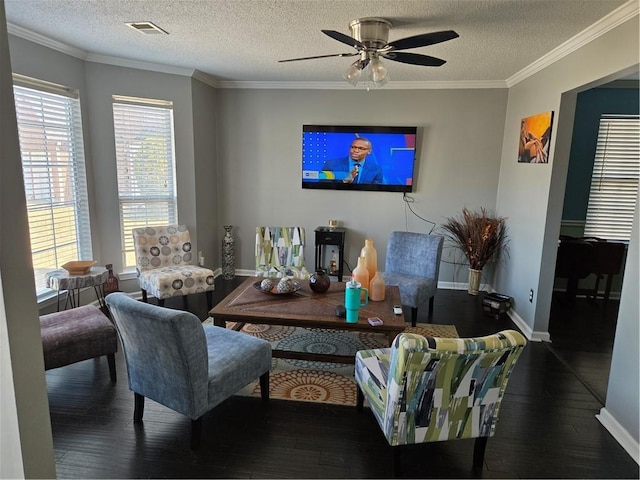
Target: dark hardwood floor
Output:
[{"x": 547, "y": 426}]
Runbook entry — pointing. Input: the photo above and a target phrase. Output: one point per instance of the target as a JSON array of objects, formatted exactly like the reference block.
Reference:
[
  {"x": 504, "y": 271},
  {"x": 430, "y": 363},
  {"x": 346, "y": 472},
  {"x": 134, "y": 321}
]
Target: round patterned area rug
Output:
[{"x": 324, "y": 382}]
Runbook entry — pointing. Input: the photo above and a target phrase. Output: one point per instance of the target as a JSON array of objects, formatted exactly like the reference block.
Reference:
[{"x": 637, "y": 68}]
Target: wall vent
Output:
[{"x": 146, "y": 28}]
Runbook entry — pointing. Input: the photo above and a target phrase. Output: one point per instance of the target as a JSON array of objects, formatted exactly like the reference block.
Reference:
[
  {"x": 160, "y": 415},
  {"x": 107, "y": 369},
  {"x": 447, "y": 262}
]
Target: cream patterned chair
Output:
[
  {"x": 163, "y": 264},
  {"x": 280, "y": 252},
  {"x": 426, "y": 389}
]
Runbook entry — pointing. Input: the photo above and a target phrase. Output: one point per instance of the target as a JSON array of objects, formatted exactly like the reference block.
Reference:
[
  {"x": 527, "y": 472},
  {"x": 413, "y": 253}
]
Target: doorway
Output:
[{"x": 582, "y": 330}]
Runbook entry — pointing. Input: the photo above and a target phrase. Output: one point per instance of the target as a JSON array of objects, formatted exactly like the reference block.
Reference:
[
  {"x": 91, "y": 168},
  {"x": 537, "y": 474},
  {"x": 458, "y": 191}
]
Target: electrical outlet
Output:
[{"x": 531, "y": 296}]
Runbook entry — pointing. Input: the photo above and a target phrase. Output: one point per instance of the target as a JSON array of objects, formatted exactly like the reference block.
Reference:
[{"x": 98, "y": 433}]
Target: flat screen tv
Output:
[{"x": 340, "y": 157}]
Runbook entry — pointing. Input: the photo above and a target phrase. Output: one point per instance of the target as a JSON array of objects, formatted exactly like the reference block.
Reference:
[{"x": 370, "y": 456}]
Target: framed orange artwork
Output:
[{"x": 535, "y": 137}]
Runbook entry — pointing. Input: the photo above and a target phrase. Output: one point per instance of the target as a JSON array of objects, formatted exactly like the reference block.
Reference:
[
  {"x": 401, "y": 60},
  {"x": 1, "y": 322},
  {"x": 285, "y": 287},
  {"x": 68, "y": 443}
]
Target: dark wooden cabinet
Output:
[{"x": 330, "y": 236}]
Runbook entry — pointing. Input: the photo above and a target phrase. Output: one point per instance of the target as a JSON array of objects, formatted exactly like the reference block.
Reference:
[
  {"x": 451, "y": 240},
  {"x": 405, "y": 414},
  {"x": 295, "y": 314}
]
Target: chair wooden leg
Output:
[
  {"x": 138, "y": 409},
  {"x": 264, "y": 386},
  {"x": 111, "y": 360},
  {"x": 144, "y": 296},
  {"x": 209, "y": 295},
  {"x": 478, "y": 452},
  {"x": 414, "y": 316},
  {"x": 196, "y": 433},
  {"x": 431, "y": 306},
  {"x": 359, "y": 399}
]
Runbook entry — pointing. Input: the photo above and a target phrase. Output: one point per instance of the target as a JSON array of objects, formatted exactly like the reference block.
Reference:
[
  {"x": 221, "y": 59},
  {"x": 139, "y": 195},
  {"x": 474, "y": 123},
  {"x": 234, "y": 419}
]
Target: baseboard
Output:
[
  {"x": 526, "y": 329},
  {"x": 622, "y": 436}
]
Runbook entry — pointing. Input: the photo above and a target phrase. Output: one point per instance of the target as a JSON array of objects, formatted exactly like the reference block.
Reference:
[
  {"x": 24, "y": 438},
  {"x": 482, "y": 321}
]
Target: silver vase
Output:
[{"x": 228, "y": 254}]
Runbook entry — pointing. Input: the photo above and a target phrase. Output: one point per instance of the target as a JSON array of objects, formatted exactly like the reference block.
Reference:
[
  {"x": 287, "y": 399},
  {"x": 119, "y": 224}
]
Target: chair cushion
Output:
[
  {"x": 413, "y": 290},
  {"x": 235, "y": 360},
  {"x": 76, "y": 334},
  {"x": 176, "y": 280}
]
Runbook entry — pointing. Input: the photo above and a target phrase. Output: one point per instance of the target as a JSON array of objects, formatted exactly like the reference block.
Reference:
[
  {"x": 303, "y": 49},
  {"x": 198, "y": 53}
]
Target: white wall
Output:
[
  {"x": 26, "y": 445},
  {"x": 621, "y": 411},
  {"x": 531, "y": 195},
  {"x": 260, "y": 138},
  {"x": 205, "y": 109}
]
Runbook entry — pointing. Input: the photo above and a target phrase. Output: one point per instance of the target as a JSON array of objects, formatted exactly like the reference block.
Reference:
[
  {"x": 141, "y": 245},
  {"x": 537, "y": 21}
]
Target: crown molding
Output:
[
  {"x": 125, "y": 62},
  {"x": 620, "y": 15},
  {"x": 205, "y": 78},
  {"x": 46, "y": 41},
  {"x": 602, "y": 26},
  {"x": 342, "y": 85}
]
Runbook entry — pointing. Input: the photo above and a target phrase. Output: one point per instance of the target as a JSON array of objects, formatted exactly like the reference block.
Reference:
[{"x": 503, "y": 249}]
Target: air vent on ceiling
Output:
[{"x": 147, "y": 28}]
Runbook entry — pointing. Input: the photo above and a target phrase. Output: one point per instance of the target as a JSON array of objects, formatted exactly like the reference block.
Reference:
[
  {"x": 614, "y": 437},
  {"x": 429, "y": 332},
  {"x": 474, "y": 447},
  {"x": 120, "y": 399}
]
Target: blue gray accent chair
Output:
[
  {"x": 188, "y": 367},
  {"x": 413, "y": 264}
]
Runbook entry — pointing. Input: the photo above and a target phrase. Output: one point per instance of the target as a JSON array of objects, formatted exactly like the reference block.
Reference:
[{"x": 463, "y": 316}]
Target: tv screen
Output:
[{"x": 358, "y": 157}]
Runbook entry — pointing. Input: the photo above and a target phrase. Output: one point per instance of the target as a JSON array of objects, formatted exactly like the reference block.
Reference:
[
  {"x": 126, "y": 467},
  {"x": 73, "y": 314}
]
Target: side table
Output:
[
  {"x": 62, "y": 280},
  {"x": 330, "y": 236}
]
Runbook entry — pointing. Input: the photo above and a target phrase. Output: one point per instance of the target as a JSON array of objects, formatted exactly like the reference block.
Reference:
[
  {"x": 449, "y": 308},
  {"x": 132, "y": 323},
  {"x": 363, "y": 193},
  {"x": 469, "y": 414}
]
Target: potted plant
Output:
[{"x": 481, "y": 237}]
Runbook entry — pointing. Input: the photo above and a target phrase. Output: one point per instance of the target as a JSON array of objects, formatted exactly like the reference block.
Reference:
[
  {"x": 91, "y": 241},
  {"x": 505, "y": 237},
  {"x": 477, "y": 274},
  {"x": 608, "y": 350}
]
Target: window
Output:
[
  {"x": 146, "y": 166},
  {"x": 614, "y": 181},
  {"x": 51, "y": 147}
]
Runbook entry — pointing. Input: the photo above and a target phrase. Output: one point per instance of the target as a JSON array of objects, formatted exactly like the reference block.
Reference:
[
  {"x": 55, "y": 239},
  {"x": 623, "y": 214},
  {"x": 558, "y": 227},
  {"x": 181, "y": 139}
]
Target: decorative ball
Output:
[
  {"x": 266, "y": 284},
  {"x": 285, "y": 285}
]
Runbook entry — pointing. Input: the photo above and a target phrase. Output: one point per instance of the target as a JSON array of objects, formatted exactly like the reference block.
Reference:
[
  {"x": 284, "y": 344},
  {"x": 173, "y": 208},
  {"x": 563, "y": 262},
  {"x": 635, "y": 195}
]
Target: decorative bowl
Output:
[
  {"x": 79, "y": 267},
  {"x": 274, "y": 291}
]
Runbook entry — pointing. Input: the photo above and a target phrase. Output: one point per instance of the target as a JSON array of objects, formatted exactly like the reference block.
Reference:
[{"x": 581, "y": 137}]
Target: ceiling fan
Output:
[{"x": 370, "y": 38}]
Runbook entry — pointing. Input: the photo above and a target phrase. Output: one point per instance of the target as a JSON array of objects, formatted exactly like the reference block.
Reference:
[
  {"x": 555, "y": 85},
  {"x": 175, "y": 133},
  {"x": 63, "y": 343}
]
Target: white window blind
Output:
[
  {"x": 51, "y": 147},
  {"x": 614, "y": 181},
  {"x": 144, "y": 140}
]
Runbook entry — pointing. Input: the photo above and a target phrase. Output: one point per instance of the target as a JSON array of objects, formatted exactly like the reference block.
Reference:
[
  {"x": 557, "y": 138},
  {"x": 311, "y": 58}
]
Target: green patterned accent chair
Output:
[
  {"x": 164, "y": 264},
  {"x": 280, "y": 252},
  {"x": 427, "y": 389}
]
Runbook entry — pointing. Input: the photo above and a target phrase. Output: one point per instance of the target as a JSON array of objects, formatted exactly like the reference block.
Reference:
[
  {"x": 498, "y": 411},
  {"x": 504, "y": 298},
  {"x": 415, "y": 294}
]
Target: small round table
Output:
[{"x": 63, "y": 280}]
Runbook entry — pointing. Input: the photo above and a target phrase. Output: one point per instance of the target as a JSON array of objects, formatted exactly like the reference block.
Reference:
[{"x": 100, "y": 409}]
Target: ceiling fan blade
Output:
[
  {"x": 319, "y": 56},
  {"x": 423, "y": 40},
  {"x": 414, "y": 59},
  {"x": 341, "y": 37}
]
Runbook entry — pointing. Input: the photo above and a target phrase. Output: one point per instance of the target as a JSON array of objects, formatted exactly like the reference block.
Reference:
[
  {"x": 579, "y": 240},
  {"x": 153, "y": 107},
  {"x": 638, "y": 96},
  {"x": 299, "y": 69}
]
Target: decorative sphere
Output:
[
  {"x": 266, "y": 284},
  {"x": 319, "y": 281},
  {"x": 285, "y": 285}
]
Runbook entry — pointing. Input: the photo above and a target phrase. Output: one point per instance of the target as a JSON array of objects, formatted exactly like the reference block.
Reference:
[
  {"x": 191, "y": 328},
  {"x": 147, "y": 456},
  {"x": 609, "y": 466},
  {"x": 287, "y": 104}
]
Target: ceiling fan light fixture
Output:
[
  {"x": 378, "y": 73},
  {"x": 354, "y": 72}
]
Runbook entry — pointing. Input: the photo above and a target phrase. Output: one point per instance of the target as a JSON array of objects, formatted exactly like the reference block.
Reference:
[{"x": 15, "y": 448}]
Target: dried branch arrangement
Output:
[{"x": 480, "y": 236}]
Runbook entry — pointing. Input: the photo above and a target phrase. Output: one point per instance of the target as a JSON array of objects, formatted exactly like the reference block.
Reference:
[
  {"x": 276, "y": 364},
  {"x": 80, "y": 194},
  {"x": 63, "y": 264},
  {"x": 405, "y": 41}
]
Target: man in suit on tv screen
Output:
[{"x": 356, "y": 168}]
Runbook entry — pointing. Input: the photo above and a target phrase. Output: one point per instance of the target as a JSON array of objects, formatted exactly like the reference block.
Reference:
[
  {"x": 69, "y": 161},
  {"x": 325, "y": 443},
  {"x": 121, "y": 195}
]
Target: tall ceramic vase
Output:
[
  {"x": 474, "y": 281},
  {"x": 370, "y": 257},
  {"x": 360, "y": 274},
  {"x": 228, "y": 254}
]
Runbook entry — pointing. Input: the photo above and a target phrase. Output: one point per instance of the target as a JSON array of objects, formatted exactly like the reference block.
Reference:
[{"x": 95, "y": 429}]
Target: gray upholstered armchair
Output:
[
  {"x": 413, "y": 263},
  {"x": 176, "y": 361}
]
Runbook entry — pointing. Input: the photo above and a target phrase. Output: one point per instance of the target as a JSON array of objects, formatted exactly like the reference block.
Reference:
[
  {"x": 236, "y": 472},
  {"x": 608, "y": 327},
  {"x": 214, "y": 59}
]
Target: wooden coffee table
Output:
[{"x": 307, "y": 309}]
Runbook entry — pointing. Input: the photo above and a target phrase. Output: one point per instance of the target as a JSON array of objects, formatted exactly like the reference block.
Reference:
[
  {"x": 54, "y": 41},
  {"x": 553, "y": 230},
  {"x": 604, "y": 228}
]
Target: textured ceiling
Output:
[{"x": 242, "y": 40}]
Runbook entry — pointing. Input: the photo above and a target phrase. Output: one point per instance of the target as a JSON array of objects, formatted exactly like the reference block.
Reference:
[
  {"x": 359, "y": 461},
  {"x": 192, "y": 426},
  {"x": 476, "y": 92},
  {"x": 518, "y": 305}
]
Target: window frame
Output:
[
  {"x": 142, "y": 200},
  {"x": 614, "y": 179},
  {"x": 49, "y": 118}
]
